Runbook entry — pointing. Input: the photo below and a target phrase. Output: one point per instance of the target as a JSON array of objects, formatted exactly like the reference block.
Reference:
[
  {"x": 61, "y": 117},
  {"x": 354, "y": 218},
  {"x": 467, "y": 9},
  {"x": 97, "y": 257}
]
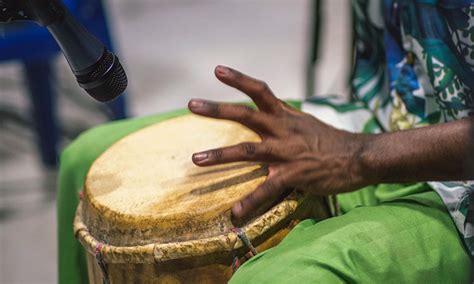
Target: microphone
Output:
[{"x": 98, "y": 71}]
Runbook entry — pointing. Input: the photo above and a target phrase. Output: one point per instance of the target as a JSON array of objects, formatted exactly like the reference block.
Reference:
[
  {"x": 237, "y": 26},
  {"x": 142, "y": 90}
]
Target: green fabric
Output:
[
  {"x": 390, "y": 234},
  {"x": 75, "y": 162}
]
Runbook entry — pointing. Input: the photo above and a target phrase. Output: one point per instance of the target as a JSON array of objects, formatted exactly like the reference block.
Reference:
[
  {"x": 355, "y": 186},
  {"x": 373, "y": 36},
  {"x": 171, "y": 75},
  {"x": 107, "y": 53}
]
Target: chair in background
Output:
[{"x": 35, "y": 48}]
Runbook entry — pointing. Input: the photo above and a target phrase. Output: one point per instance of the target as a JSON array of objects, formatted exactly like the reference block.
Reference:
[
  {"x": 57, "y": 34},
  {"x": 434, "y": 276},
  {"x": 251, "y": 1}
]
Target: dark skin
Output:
[{"x": 306, "y": 154}]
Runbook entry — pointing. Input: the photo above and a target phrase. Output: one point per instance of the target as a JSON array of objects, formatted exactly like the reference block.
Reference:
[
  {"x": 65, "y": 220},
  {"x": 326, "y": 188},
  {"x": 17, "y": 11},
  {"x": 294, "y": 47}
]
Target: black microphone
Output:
[{"x": 97, "y": 70}]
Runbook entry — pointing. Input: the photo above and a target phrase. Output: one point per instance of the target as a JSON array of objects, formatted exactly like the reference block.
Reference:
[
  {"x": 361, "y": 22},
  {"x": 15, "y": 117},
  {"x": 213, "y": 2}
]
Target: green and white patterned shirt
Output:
[{"x": 414, "y": 66}]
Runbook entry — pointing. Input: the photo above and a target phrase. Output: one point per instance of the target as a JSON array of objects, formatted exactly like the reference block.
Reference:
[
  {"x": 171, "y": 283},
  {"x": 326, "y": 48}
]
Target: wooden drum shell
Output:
[{"x": 144, "y": 264}]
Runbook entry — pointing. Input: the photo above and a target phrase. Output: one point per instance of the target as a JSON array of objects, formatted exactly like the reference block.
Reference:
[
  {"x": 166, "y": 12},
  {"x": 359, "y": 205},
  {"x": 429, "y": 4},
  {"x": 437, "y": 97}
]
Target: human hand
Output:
[{"x": 301, "y": 152}]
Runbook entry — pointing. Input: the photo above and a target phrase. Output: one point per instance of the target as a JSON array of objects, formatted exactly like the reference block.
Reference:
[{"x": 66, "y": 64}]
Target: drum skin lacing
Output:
[
  {"x": 98, "y": 255},
  {"x": 101, "y": 263},
  {"x": 243, "y": 237}
]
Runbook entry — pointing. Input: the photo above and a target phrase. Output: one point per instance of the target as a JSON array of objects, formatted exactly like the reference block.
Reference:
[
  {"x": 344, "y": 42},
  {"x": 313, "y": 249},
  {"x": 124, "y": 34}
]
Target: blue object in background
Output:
[{"x": 35, "y": 48}]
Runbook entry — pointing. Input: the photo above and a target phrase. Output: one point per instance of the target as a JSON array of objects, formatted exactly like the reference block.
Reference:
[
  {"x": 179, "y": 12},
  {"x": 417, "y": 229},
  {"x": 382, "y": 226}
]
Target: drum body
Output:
[{"x": 149, "y": 215}]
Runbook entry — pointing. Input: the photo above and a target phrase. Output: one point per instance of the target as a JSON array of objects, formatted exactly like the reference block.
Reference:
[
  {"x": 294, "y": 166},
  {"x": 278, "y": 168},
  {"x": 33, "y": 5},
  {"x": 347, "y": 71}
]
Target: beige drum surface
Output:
[
  {"x": 147, "y": 181},
  {"x": 146, "y": 202}
]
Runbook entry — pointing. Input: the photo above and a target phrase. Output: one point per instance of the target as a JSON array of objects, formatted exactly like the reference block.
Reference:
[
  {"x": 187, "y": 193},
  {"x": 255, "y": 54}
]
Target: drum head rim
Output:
[
  {"x": 161, "y": 252},
  {"x": 129, "y": 222}
]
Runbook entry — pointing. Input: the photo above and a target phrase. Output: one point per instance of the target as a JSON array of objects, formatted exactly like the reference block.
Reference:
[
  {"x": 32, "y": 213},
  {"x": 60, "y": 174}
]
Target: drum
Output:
[{"x": 149, "y": 215}]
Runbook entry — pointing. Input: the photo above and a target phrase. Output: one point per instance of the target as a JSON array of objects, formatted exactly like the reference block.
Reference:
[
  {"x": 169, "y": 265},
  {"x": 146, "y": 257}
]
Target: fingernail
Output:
[
  {"x": 196, "y": 104},
  {"x": 237, "y": 209},
  {"x": 236, "y": 216},
  {"x": 222, "y": 70},
  {"x": 200, "y": 157}
]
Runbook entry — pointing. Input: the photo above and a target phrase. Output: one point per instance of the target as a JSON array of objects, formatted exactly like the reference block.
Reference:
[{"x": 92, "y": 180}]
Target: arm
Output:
[
  {"x": 442, "y": 152},
  {"x": 304, "y": 153}
]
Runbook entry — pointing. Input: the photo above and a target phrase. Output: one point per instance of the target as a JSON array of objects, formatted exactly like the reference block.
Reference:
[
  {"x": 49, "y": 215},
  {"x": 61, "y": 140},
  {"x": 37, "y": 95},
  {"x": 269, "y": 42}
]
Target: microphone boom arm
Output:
[{"x": 36, "y": 10}]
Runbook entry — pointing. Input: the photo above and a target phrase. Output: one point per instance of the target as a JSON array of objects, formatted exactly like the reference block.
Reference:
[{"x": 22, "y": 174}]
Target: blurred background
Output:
[{"x": 169, "y": 49}]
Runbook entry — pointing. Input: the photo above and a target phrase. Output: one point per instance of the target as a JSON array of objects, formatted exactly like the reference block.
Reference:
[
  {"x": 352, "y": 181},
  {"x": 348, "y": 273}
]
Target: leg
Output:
[
  {"x": 39, "y": 78},
  {"x": 407, "y": 240}
]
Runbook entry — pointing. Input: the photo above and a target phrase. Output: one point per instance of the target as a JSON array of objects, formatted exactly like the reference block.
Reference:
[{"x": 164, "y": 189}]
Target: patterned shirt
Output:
[{"x": 414, "y": 66}]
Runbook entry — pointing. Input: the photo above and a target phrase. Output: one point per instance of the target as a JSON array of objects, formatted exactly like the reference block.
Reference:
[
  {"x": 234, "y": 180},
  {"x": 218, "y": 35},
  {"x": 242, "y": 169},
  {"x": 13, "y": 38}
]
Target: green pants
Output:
[{"x": 407, "y": 239}]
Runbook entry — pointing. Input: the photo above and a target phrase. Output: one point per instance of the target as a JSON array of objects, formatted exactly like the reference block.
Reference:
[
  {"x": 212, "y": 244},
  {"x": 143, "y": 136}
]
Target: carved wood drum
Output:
[{"x": 149, "y": 215}]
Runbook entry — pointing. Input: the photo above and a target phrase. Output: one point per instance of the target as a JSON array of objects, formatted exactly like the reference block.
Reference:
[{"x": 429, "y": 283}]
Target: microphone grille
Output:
[
  {"x": 106, "y": 80},
  {"x": 112, "y": 87},
  {"x": 101, "y": 67}
]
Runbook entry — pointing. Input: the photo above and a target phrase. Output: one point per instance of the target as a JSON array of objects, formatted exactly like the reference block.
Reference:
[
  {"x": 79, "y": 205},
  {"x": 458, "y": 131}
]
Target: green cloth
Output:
[
  {"x": 390, "y": 234},
  {"x": 75, "y": 162}
]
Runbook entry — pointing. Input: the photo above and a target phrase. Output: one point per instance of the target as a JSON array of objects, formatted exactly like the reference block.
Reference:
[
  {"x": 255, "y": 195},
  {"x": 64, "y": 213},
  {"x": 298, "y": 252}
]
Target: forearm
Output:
[{"x": 436, "y": 153}]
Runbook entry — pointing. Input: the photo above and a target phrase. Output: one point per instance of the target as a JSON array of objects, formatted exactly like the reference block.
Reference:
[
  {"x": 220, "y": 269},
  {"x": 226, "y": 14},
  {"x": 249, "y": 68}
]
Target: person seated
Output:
[{"x": 402, "y": 177}]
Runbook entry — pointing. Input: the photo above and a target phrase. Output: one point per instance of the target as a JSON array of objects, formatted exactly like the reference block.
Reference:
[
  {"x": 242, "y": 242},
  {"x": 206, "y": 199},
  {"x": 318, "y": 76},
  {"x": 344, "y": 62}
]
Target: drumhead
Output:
[{"x": 145, "y": 188}]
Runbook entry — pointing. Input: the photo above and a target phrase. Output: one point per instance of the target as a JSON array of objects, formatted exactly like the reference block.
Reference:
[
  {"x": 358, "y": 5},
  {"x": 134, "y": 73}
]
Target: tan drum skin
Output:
[{"x": 152, "y": 216}]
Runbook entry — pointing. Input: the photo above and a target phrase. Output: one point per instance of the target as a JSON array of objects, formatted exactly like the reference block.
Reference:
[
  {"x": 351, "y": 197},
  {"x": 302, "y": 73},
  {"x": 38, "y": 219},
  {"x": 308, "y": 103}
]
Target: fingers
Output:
[
  {"x": 264, "y": 195},
  {"x": 242, "y": 152},
  {"x": 257, "y": 90},
  {"x": 257, "y": 121}
]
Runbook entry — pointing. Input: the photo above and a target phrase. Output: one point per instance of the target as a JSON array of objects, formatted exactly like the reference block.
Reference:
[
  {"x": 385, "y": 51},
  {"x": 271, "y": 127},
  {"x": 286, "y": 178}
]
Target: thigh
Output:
[{"x": 407, "y": 240}]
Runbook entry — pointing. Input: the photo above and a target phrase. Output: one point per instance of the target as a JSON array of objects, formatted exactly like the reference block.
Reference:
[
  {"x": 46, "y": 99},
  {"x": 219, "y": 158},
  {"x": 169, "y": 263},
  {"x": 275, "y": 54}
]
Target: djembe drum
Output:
[{"x": 149, "y": 215}]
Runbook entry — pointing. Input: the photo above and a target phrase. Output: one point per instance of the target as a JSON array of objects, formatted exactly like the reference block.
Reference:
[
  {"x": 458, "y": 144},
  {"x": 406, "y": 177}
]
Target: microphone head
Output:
[{"x": 105, "y": 80}]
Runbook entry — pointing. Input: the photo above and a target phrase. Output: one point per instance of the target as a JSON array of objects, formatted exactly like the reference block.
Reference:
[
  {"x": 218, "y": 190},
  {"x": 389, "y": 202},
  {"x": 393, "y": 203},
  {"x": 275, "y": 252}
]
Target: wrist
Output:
[{"x": 359, "y": 170}]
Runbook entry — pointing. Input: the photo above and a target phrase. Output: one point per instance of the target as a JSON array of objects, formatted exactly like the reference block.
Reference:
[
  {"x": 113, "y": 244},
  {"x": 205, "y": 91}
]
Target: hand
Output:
[{"x": 301, "y": 151}]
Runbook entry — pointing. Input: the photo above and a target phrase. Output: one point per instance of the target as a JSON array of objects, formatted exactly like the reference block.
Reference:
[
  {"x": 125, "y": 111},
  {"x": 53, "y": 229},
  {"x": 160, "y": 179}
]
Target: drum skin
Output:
[{"x": 155, "y": 217}]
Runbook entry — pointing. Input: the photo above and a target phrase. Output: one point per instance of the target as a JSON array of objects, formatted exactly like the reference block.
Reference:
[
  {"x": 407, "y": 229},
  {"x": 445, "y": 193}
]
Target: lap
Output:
[{"x": 406, "y": 240}]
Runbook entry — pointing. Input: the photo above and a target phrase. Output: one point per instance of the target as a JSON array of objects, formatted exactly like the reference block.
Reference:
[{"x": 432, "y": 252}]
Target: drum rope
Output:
[
  {"x": 98, "y": 254},
  {"x": 243, "y": 237},
  {"x": 101, "y": 263},
  {"x": 235, "y": 263}
]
